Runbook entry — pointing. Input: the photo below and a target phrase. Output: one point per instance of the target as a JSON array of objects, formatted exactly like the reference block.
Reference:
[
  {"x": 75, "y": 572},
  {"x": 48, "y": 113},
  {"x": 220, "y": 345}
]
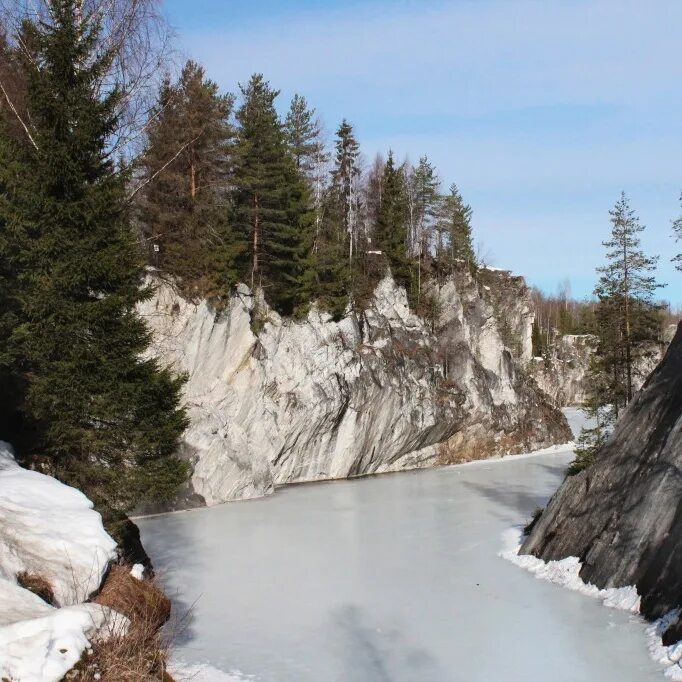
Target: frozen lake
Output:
[{"x": 393, "y": 578}]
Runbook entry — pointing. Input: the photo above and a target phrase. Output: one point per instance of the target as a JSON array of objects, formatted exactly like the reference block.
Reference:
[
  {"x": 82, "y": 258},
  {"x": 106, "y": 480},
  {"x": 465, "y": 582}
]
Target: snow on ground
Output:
[
  {"x": 137, "y": 571},
  {"x": 668, "y": 656},
  {"x": 50, "y": 529},
  {"x": 44, "y": 649},
  {"x": 566, "y": 573}
]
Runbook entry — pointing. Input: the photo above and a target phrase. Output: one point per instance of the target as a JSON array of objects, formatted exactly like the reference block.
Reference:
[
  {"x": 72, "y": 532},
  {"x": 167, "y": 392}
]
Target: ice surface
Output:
[
  {"x": 388, "y": 578},
  {"x": 566, "y": 573},
  {"x": 201, "y": 672}
]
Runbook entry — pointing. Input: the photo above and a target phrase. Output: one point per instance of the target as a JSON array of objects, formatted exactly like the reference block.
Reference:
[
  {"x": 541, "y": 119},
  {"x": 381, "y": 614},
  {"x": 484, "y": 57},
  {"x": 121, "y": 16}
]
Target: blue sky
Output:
[{"x": 541, "y": 111}]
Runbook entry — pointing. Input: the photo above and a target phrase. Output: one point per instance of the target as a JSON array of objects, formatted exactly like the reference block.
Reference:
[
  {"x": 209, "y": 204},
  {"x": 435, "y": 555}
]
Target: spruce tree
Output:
[
  {"x": 183, "y": 200},
  {"x": 104, "y": 418},
  {"x": 272, "y": 218},
  {"x": 392, "y": 224}
]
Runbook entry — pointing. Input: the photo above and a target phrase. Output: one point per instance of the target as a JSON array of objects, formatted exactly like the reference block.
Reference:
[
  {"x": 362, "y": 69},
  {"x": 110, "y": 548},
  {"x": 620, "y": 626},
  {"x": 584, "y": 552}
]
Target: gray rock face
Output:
[
  {"x": 563, "y": 372},
  {"x": 317, "y": 399},
  {"x": 623, "y": 516}
]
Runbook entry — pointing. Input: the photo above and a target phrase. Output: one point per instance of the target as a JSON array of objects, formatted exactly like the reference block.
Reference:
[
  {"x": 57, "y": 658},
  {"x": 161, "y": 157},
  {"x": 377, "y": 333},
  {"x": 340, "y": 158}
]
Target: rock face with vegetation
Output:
[
  {"x": 622, "y": 516},
  {"x": 562, "y": 373},
  {"x": 374, "y": 392}
]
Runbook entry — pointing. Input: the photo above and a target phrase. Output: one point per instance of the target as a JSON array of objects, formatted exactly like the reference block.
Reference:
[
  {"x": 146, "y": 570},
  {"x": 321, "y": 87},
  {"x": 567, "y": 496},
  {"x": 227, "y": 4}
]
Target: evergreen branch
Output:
[{"x": 163, "y": 168}]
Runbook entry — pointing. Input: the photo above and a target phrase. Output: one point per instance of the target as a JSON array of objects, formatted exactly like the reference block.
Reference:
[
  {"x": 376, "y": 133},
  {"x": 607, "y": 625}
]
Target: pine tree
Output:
[
  {"x": 392, "y": 225},
  {"x": 628, "y": 284},
  {"x": 104, "y": 418},
  {"x": 336, "y": 253},
  {"x": 455, "y": 245},
  {"x": 626, "y": 318},
  {"x": 304, "y": 137},
  {"x": 422, "y": 190},
  {"x": 677, "y": 232},
  {"x": 183, "y": 197},
  {"x": 272, "y": 219},
  {"x": 345, "y": 180}
]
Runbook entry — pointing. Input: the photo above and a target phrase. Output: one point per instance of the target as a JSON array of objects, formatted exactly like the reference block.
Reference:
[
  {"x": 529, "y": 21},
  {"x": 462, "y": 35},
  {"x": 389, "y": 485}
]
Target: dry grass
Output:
[
  {"x": 140, "y": 654},
  {"x": 36, "y": 584}
]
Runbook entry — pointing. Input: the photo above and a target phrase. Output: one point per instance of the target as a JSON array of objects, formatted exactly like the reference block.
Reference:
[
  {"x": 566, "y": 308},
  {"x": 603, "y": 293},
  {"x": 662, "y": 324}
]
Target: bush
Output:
[
  {"x": 528, "y": 528},
  {"x": 138, "y": 655}
]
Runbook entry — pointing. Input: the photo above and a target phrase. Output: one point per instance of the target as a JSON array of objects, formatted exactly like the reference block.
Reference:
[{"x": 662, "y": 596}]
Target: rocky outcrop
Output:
[
  {"x": 562, "y": 373},
  {"x": 622, "y": 517},
  {"x": 509, "y": 298},
  {"x": 374, "y": 392}
]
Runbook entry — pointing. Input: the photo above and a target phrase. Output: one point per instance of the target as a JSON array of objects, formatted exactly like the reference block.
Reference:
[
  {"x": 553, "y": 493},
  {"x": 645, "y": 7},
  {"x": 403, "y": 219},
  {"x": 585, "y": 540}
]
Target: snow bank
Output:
[
  {"x": 44, "y": 649},
  {"x": 50, "y": 530},
  {"x": 566, "y": 573},
  {"x": 668, "y": 656}
]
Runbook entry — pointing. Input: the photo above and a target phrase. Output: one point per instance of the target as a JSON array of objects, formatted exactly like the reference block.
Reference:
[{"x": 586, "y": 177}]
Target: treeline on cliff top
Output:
[
  {"x": 227, "y": 190},
  {"x": 105, "y": 169}
]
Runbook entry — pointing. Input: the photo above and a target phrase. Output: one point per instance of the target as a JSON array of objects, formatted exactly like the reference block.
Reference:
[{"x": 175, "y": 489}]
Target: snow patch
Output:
[
  {"x": 50, "y": 530},
  {"x": 566, "y": 573},
  {"x": 44, "y": 649},
  {"x": 137, "y": 571},
  {"x": 668, "y": 656}
]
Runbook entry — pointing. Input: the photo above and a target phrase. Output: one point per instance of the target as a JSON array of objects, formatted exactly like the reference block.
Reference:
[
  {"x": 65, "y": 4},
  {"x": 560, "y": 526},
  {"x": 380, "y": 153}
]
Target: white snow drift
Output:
[{"x": 50, "y": 530}]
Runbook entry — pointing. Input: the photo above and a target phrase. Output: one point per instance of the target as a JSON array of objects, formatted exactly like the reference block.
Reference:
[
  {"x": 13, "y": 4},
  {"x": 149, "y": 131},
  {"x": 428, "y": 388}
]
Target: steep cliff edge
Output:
[
  {"x": 623, "y": 516},
  {"x": 375, "y": 392}
]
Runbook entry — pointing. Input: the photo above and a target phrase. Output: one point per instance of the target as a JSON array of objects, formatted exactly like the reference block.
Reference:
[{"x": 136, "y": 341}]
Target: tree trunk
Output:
[
  {"x": 192, "y": 180},
  {"x": 255, "y": 244},
  {"x": 626, "y": 303}
]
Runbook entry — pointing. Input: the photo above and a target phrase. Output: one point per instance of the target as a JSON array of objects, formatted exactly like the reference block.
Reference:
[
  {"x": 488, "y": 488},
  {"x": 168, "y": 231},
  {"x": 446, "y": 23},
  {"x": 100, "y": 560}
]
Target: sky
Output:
[{"x": 542, "y": 111}]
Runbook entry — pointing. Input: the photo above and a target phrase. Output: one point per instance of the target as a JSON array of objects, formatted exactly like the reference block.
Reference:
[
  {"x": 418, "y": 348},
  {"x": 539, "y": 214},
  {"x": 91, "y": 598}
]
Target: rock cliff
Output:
[
  {"x": 622, "y": 517},
  {"x": 563, "y": 372},
  {"x": 374, "y": 392}
]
